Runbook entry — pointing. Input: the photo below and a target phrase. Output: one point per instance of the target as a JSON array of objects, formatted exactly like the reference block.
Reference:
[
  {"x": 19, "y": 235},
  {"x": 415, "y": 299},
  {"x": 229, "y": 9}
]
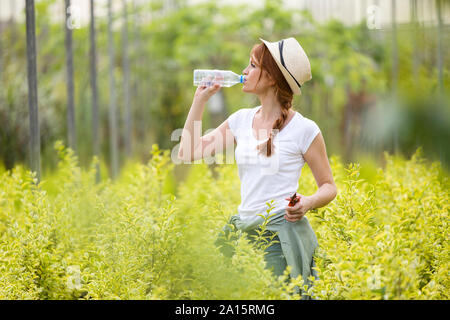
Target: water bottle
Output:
[{"x": 225, "y": 78}]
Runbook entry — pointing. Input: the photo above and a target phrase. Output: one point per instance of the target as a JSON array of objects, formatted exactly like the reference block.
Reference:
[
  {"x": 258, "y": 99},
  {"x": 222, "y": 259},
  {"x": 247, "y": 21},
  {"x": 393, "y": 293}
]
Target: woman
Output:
[{"x": 272, "y": 144}]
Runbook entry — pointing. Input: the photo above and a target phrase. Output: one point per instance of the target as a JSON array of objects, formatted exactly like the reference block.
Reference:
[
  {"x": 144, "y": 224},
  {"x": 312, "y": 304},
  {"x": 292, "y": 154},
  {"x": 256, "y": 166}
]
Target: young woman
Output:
[{"x": 273, "y": 142}]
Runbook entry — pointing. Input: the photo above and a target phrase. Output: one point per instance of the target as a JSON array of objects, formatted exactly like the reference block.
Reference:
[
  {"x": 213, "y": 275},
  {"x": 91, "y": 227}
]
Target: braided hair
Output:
[{"x": 283, "y": 93}]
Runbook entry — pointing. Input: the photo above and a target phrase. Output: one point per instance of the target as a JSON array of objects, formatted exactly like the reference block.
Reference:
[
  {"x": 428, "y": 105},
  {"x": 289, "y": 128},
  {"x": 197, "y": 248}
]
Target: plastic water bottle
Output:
[{"x": 225, "y": 78}]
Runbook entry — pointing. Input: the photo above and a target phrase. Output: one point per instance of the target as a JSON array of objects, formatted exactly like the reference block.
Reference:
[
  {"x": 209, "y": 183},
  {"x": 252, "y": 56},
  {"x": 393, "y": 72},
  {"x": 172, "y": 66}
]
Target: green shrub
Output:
[
  {"x": 387, "y": 240},
  {"x": 70, "y": 238}
]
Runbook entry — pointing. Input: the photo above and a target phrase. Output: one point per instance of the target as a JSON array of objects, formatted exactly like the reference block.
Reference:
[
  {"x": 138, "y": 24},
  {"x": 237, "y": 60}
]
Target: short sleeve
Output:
[{"x": 311, "y": 129}]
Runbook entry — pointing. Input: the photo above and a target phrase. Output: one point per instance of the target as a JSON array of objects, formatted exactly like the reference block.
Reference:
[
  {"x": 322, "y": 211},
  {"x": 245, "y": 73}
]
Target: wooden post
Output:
[
  {"x": 93, "y": 76},
  {"x": 35, "y": 144},
  {"x": 71, "y": 131}
]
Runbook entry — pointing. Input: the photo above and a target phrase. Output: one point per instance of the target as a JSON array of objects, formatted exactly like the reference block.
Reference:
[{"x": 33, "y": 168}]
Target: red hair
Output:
[{"x": 283, "y": 91}]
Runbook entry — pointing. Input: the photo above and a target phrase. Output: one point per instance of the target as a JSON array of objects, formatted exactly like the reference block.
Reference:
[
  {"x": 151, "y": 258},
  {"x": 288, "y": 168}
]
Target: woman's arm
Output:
[
  {"x": 192, "y": 131},
  {"x": 317, "y": 160}
]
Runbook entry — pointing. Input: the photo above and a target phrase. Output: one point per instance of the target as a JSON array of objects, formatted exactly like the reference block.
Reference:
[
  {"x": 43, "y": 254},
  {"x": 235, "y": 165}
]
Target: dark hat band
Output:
[{"x": 280, "y": 47}]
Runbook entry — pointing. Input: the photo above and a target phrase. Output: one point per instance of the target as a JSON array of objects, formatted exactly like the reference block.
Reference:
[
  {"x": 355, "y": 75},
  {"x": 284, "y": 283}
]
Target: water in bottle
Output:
[{"x": 225, "y": 78}]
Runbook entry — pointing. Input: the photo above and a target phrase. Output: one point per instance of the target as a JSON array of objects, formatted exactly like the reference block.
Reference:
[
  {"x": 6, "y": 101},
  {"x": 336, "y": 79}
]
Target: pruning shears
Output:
[{"x": 294, "y": 199}]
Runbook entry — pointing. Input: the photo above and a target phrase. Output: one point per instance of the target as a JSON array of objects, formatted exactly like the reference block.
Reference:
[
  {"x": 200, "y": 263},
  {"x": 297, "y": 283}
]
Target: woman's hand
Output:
[
  {"x": 203, "y": 92},
  {"x": 297, "y": 212}
]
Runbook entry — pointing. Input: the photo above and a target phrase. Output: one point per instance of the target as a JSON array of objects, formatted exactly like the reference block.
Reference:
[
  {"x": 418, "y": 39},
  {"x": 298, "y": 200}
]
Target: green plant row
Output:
[{"x": 70, "y": 238}]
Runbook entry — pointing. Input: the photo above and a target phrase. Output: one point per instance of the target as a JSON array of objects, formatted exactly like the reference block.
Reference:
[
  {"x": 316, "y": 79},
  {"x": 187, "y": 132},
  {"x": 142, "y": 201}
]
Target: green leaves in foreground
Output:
[{"x": 69, "y": 238}]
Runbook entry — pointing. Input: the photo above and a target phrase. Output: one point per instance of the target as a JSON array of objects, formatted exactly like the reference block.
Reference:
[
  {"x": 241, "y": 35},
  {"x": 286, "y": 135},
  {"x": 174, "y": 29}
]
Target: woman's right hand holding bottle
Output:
[{"x": 206, "y": 90}]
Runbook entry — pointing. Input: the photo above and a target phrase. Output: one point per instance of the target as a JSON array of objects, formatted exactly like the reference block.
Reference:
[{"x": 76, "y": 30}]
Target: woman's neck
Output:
[{"x": 270, "y": 107}]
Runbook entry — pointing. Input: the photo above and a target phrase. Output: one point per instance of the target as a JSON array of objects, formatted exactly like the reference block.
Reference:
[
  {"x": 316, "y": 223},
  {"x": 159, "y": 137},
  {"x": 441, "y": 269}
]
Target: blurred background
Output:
[{"x": 380, "y": 74}]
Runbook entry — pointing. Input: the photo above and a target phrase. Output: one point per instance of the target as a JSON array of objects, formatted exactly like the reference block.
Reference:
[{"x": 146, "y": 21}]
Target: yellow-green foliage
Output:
[
  {"x": 69, "y": 238},
  {"x": 387, "y": 240}
]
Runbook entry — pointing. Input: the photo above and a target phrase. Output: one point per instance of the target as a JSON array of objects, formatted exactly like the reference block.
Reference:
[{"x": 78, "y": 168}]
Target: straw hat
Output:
[{"x": 292, "y": 61}]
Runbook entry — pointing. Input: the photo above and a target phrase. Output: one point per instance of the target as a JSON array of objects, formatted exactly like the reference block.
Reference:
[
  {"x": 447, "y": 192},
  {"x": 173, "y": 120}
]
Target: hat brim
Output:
[{"x": 274, "y": 51}]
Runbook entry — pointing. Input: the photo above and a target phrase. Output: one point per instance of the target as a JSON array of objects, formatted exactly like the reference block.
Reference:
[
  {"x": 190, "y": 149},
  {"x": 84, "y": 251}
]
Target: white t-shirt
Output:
[{"x": 269, "y": 178}]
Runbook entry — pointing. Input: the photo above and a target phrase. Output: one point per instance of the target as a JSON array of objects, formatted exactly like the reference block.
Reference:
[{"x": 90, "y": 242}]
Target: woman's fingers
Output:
[
  {"x": 216, "y": 87},
  {"x": 207, "y": 88},
  {"x": 291, "y": 218},
  {"x": 213, "y": 89},
  {"x": 294, "y": 213}
]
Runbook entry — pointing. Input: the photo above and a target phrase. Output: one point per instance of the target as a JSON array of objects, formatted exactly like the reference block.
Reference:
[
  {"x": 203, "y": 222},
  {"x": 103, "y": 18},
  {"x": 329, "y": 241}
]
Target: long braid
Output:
[
  {"x": 283, "y": 93},
  {"x": 267, "y": 147}
]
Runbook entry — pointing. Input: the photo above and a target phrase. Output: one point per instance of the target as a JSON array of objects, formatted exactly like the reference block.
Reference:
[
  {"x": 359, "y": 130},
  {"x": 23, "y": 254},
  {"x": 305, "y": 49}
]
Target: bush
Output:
[
  {"x": 70, "y": 238},
  {"x": 386, "y": 240}
]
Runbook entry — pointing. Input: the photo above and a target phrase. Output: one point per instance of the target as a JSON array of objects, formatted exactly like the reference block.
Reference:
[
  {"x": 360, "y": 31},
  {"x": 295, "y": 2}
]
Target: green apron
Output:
[{"x": 298, "y": 242}]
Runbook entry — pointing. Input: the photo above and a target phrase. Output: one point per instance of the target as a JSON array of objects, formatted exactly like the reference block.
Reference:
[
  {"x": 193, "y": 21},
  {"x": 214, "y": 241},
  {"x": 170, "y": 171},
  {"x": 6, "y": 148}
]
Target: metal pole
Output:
[
  {"x": 112, "y": 99},
  {"x": 394, "y": 68},
  {"x": 126, "y": 83},
  {"x": 1, "y": 49},
  {"x": 439, "y": 50},
  {"x": 413, "y": 13},
  {"x": 93, "y": 76},
  {"x": 71, "y": 129},
  {"x": 35, "y": 144}
]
